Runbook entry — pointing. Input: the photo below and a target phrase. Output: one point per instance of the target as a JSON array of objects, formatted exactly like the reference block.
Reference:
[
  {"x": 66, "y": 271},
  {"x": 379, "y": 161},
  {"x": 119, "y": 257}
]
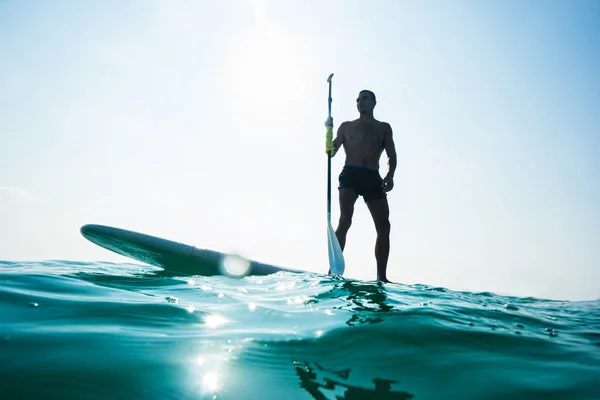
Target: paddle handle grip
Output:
[{"x": 329, "y": 136}]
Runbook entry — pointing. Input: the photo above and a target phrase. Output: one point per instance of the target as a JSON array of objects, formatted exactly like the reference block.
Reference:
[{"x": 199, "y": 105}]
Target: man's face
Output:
[{"x": 364, "y": 102}]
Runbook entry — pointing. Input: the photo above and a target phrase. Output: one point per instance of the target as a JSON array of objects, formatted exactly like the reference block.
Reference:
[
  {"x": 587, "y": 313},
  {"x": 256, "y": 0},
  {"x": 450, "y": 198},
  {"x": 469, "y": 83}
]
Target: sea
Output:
[{"x": 101, "y": 330}]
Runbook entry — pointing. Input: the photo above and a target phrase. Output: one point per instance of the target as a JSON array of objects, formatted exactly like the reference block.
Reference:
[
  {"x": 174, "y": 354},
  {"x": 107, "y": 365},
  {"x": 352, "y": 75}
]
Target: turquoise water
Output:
[{"x": 74, "y": 330}]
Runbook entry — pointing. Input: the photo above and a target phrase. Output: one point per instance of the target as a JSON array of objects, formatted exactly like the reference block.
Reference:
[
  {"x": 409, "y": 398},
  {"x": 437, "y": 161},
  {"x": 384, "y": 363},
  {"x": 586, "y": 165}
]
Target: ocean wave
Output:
[{"x": 98, "y": 330}]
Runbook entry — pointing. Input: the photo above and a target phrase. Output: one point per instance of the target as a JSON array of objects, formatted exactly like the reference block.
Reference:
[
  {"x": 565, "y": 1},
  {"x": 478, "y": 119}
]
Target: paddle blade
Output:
[{"x": 336, "y": 258}]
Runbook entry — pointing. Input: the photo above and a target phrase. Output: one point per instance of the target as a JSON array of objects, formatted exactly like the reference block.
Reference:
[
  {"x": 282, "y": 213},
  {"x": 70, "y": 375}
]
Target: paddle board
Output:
[{"x": 173, "y": 256}]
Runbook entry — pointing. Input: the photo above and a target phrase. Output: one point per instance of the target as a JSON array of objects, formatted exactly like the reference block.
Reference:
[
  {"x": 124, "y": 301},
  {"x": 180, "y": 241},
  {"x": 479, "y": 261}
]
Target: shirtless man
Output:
[{"x": 364, "y": 140}]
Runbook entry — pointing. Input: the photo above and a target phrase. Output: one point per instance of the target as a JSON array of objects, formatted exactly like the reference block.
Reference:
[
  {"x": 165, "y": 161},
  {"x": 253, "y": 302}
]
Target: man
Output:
[{"x": 364, "y": 140}]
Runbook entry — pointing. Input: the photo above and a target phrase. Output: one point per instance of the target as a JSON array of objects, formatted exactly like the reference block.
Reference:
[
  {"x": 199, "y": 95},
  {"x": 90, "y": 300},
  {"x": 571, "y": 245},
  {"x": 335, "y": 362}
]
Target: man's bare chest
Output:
[{"x": 365, "y": 134}]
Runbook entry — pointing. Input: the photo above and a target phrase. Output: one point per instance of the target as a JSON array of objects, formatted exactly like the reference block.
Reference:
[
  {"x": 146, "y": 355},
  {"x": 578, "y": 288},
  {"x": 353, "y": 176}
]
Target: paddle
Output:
[{"x": 336, "y": 258}]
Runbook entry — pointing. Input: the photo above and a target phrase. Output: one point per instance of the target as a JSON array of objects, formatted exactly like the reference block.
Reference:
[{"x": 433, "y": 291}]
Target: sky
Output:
[{"x": 203, "y": 122}]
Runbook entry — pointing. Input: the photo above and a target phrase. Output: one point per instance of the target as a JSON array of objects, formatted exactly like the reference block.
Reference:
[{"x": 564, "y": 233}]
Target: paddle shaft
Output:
[{"x": 329, "y": 100}]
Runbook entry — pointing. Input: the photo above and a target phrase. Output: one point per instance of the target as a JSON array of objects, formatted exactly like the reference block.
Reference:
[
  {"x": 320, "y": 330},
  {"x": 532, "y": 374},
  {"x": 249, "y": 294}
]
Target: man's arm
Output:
[
  {"x": 339, "y": 139},
  {"x": 390, "y": 150}
]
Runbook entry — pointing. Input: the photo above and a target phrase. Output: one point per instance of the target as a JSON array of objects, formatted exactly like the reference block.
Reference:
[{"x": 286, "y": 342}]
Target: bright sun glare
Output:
[
  {"x": 211, "y": 382},
  {"x": 266, "y": 62},
  {"x": 235, "y": 266},
  {"x": 215, "y": 321}
]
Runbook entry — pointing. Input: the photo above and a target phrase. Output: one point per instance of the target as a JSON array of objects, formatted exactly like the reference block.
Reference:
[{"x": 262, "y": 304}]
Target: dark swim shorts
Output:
[{"x": 365, "y": 181}]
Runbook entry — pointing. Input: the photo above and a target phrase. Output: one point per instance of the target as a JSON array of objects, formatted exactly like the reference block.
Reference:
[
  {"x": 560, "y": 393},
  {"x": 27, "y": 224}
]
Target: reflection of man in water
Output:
[
  {"x": 382, "y": 390},
  {"x": 368, "y": 300},
  {"x": 364, "y": 140}
]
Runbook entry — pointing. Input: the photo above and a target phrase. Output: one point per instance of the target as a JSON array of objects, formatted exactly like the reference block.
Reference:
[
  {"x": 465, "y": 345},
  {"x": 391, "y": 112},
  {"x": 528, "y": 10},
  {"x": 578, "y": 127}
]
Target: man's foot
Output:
[{"x": 384, "y": 280}]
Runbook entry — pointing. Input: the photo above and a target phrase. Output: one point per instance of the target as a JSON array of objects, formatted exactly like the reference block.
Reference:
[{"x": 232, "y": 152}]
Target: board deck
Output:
[{"x": 174, "y": 256}]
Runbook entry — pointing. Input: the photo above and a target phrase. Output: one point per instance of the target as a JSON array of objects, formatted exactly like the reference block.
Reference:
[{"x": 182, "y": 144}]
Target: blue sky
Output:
[{"x": 202, "y": 122}]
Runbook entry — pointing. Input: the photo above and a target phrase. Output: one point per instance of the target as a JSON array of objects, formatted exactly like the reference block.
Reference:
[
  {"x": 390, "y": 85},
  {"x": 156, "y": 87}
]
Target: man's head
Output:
[{"x": 365, "y": 103}]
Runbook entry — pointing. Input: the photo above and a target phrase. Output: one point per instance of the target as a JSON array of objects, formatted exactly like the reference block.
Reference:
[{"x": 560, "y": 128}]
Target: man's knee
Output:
[{"x": 383, "y": 227}]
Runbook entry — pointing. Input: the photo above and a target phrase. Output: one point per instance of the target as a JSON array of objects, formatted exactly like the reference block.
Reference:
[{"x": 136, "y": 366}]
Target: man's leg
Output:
[
  {"x": 381, "y": 217},
  {"x": 347, "y": 200}
]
